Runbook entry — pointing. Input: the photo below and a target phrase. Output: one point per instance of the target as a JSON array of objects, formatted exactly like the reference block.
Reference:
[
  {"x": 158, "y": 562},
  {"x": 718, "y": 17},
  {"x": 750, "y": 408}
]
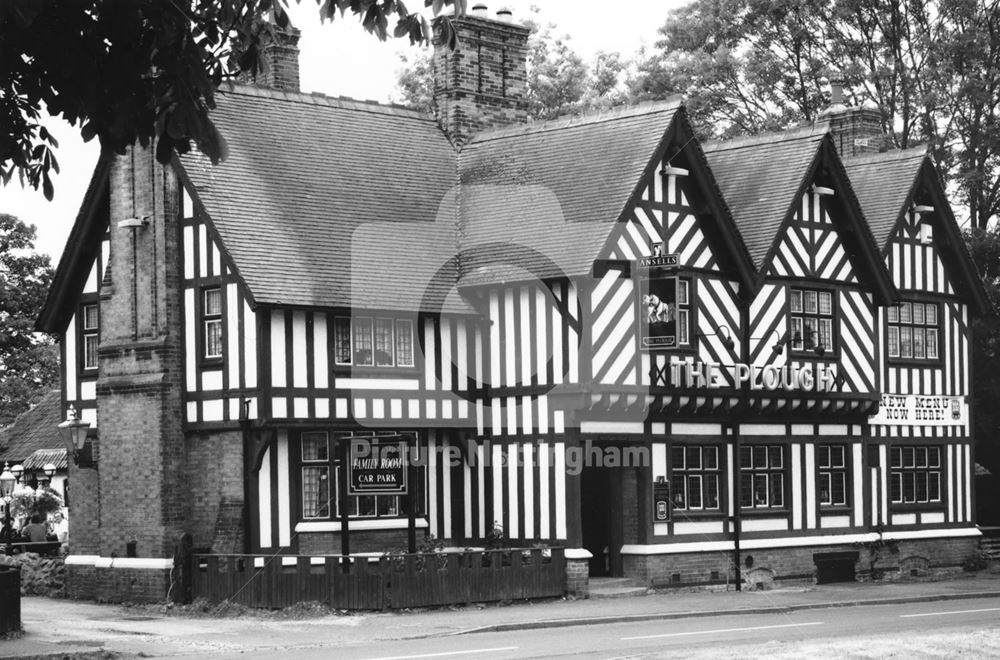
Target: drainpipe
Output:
[{"x": 737, "y": 518}]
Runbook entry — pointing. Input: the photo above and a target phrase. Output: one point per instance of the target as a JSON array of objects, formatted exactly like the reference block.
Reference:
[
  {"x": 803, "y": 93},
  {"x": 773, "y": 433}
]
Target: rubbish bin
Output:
[{"x": 10, "y": 599}]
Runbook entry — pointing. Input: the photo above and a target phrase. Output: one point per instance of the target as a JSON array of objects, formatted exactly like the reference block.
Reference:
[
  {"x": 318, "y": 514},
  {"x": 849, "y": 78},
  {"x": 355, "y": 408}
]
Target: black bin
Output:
[{"x": 10, "y": 599}]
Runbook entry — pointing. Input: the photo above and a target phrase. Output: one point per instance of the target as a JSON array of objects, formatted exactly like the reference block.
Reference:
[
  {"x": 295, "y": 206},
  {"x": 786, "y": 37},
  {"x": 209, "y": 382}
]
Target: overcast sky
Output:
[{"x": 341, "y": 59}]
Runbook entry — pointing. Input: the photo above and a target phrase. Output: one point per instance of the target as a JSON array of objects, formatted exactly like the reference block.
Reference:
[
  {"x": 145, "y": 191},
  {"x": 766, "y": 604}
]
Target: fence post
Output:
[{"x": 183, "y": 567}]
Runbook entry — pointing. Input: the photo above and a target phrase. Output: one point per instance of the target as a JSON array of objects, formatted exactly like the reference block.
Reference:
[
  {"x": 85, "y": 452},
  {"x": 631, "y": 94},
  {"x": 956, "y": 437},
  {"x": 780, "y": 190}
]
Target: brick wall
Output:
[
  {"x": 128, "y": 585},
  {"x": 914, "y": 558},
  {"x": 483, "y": 82},
  {"x": 84, "y": 506},
  {"x": 857, "y": 131},
  {"x": 80, "y": 581},
  {"x": 215, "y": 491},
  {"x": 141, "y": 468}
]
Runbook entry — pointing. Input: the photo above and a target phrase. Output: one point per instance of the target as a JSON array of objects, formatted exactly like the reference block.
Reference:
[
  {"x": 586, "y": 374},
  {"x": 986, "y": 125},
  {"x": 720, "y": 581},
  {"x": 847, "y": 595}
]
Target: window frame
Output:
[
  {"x": 681, "y": 478},
  {"x": 213, "y": 319},
  {"x": 894, "y": 322},
  {"x": 749, "y": 476},
  {"x": 916, "y": 471},
  {"x": 86, "y": 333},
  {"x": 344, "y": 323},
  {"x": 801, "y": 346},
  {"x": 332, "y": 465},
  {"x": 832, "y": 470}
]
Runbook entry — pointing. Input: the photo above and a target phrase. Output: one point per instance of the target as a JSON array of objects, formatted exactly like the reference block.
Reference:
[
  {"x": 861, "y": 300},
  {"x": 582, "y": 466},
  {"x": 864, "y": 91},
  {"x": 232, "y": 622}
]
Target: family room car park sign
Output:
[{"x": 377, "y": 467}]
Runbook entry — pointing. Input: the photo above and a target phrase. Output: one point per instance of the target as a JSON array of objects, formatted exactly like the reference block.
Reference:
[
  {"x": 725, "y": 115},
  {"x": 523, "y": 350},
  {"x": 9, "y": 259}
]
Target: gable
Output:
[
  {"x": 811, "y": 247},
  {"x": 678, "y": 203}
]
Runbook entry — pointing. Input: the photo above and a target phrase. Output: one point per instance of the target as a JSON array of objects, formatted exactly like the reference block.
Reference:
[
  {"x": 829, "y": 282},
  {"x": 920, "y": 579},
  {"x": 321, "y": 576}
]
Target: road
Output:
[{"x": 898, "y": 630}]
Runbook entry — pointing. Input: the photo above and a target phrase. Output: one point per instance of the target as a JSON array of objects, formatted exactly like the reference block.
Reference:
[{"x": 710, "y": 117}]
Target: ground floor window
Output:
[
  {"x": 694, "y": 477},
  {"x": 320, "y": 472},
  {"x": 762, "y": 476},
  {"x": 831, "y": 473},
  {"x": 915, "y": 474}
]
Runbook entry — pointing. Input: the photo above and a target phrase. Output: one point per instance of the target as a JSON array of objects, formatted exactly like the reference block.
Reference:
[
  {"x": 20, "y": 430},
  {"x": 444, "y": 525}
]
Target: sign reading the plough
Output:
[
  {"x": 663, "y": 305},
  {"x": 917, "y": 410},
  {"x": 377, "y": 466}
]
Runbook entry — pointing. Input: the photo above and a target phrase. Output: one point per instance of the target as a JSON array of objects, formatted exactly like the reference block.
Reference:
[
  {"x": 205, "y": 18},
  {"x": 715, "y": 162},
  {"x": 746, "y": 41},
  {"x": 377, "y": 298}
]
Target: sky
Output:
[{"x": 339, "y": 58}]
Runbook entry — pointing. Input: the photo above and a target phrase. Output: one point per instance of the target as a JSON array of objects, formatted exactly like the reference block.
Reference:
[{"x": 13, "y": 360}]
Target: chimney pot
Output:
[
  {"x": 505, "y": 14},
  {"x": 479, "y": 10}
]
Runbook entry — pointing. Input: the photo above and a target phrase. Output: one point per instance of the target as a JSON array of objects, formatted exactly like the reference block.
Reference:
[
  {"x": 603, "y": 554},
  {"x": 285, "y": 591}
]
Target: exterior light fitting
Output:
[
  {"x": 821, "y": 190},
  {"x": 134, "y": 223},
  {"x": 670, "y": 170},
  {"x": 7, "y": 481},
  {"x": 17, "y": 471},
  {"x": 74, "y": 432},
  {"x": 49, "y": 470}
]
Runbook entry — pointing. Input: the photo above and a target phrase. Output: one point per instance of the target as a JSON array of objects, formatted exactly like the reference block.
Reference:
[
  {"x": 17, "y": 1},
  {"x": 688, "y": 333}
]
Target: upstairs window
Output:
[
  {"x": 90, "y": 332},
  {"x": 913, "y": 331},
  {"x": 365, "y": 341},
  {"x": 811, "y": 317},
  {"x": 211, "y": 315}
]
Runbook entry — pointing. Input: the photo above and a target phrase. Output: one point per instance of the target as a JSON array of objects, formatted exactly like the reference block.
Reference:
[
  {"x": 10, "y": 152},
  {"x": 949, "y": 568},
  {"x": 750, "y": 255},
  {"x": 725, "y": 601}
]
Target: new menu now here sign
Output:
[{"x": 920, "y": 410}]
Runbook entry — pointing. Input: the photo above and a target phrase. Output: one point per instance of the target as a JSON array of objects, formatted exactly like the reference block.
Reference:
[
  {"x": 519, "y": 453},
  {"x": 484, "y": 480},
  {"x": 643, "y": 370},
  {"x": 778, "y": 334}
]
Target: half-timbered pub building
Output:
[{"x": 686, "y": 363}]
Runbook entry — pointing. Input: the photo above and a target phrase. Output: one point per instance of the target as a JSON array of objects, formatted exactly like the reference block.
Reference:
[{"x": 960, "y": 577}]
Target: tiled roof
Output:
[
  {"x": 760, "y": 177},
  {"x": 883, "y": 183},
  {"x": 34, "y": 429},
  {"x": 556, "y": 188},
  {"x": 41, "y": 457},
  {"x": 303, "y": 173}
]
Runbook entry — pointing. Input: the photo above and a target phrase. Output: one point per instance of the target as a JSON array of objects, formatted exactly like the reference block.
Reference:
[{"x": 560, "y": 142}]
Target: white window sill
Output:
[{"x": 359, "y": 525}]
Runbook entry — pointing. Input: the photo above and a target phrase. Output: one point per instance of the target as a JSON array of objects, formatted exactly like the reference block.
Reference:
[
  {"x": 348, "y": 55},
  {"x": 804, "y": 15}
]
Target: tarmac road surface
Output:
[{"x": 683, "y": 637}]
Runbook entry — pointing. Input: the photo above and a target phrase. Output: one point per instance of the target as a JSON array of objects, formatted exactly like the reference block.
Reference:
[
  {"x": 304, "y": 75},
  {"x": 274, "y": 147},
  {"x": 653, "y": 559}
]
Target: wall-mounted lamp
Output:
[
  {"x": 134, "y": 223},
  {"x": 821, "y": 190},
  {"x": 670, "y": 170},
  {"x": 922, "y": 208},
  {"x": 779, "y": 345},
  {"x": 74, "y": 432},
  {"x": 725, "y": 332}
]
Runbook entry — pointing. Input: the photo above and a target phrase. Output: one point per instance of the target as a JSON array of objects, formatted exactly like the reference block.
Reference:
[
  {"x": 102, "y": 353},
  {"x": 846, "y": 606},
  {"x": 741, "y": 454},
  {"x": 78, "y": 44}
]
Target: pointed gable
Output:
[
  {"x": 767, "y": 181},
  {"x": 888, "y": 185},
  {"x": 568, "y": 185}
]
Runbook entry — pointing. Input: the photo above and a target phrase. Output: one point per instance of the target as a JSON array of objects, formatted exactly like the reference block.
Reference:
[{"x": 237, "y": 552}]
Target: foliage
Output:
[
  {"x": 128, "y": 71},
  {"x": 984, "y": 246},
  {"x": 29, "y": 362},
  {"x": 495, "y": 538},
  {"x": 931, "y": 67},
  {"x": 41, "y": 501},
  {"x": 976, "y": 561}
]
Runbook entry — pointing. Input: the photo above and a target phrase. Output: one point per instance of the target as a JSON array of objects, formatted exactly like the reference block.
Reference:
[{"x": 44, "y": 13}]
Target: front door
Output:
[{"x": 600, "y": 513}]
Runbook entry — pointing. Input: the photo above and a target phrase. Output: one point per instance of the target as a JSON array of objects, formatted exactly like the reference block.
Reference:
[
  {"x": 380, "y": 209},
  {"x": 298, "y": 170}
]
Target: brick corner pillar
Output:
[
  {"x": 578, "y": 573},
  {"x": 141, "y": 466}
]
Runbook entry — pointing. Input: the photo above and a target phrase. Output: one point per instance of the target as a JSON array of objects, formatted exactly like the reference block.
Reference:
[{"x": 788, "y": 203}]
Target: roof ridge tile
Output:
[
  {"x": 585, "y": 119},
  {"x": 319, "y": 98},
  {"x": 812, "y": 131}
]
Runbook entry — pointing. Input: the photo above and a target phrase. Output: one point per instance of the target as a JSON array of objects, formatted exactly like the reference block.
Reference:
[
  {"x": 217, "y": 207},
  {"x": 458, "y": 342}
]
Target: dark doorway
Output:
[{"x": 600, "y": 513}]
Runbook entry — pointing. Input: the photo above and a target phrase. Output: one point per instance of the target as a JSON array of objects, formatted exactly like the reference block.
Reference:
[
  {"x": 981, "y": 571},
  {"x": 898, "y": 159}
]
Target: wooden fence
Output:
[{"x": 390, "y": 581}]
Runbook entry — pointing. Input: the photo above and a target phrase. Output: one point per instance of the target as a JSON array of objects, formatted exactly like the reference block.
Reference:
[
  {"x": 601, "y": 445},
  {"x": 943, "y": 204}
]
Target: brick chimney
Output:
[
  {"x": 482, "y": 83},
  {"x": 856, "y": 130},
  {"x": 139, "y": 385},
  {"x": 279, "y": 61}
]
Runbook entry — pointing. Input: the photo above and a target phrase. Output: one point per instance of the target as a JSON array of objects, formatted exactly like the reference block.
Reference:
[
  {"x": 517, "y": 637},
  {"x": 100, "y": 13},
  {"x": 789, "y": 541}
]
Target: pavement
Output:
[{"x": 56, "y": 628}]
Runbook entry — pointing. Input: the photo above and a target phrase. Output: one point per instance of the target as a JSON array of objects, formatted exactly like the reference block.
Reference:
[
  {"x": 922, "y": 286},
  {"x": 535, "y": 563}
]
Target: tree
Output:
[
  {"x": 984, "y": 246},
  {"x": 29, "y": 361},
  {"x": 135, "y": 71},
  {"x": 931, "y": 67},
  {"x": 559, "y": 81}
]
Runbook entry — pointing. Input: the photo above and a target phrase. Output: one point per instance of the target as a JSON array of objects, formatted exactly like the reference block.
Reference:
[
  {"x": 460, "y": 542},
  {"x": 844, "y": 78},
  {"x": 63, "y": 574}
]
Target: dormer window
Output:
[
  {"x": 811, "y": 320},
  {"x": 913, "y": 331}
]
